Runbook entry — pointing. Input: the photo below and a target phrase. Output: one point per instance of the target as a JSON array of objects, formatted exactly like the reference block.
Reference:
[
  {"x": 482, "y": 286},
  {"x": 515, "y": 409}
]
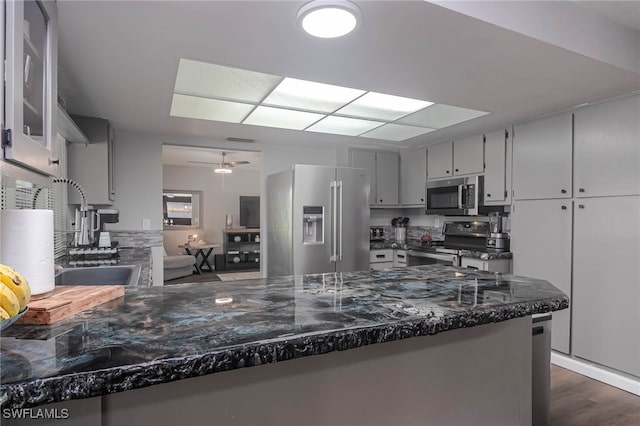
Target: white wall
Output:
[
  {"x": 220, "y": 196},
  {"x": 138, "y": 180}
]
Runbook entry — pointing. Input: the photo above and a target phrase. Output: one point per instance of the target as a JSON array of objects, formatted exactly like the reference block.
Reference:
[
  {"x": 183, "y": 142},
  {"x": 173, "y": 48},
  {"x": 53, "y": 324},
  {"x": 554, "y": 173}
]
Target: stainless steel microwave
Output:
[{"x": 457, "y": 197}]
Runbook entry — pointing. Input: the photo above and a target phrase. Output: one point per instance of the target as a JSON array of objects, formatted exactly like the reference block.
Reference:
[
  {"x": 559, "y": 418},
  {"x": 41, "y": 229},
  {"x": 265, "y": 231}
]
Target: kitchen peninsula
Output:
[{"x": 422, "y": 345}]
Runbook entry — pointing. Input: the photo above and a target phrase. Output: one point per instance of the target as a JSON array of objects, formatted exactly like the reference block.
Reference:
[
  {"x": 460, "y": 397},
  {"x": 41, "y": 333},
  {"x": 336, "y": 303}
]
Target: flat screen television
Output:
[{"x": 250, "y": 211}]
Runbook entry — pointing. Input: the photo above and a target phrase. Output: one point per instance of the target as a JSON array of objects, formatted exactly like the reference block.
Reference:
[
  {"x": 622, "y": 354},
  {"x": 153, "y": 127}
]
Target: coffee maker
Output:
[{"x": 497, "y": 240}]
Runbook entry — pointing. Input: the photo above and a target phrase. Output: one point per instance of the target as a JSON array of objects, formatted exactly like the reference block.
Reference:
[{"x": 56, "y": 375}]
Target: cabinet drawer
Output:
[
  {"x": 399, "y": 258},
  {"x": 380, "y": 266},
  {"x": 376, "y": 256}
]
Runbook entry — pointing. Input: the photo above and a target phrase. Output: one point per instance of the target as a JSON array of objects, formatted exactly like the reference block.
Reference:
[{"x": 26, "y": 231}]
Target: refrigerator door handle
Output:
[
  {"x": 340, "y": 222},
  {"x": 334, "y": 225}
]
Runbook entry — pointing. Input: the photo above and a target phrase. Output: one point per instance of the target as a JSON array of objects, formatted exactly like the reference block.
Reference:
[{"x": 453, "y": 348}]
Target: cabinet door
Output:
[
  {"x": 413, "y": 176},
  {"x": 468, "y": 156},
  {"x": 607, "y": 149},
  {"x": 31, "y": 90},
  {"x": 440, "y": 160},
  {"x": 366, "y": 160},
  {"x": 606, "y": 282},
  {"x": 541, "y": 246},
  {"x": 495, "y": 168},
  {"x": 399, "y": 258},
  {"x": 387, "y": 177},
  {"x": 542, "y": 158},
  {"x": 473, "y": 263},
  {"x": 90, "y": 164}
]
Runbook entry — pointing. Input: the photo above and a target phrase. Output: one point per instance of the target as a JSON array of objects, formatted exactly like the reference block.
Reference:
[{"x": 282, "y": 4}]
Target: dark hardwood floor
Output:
[
  {"x": 195, "y": 278},
  {"x": 577, "y": 400}
]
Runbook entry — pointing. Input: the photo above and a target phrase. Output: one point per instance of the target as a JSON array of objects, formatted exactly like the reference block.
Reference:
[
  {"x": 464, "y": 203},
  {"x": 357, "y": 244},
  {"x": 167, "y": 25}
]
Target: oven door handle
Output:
[
  {"x": 437, "y": 256},
  {"x": 460, "y": 191}
]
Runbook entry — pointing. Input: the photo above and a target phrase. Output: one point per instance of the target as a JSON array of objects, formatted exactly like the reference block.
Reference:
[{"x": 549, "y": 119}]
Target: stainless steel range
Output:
[{"x": 457, "y": 236}]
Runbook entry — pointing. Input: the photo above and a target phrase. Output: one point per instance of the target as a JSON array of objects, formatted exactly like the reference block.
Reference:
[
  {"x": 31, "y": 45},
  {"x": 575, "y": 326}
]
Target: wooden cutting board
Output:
[{"x": 67, "y": 300}]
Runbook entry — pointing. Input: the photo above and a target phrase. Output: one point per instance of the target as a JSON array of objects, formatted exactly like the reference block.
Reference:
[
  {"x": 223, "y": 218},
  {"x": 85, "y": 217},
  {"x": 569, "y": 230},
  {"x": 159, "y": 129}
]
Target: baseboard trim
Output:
[{"x": 597, "y": 372}]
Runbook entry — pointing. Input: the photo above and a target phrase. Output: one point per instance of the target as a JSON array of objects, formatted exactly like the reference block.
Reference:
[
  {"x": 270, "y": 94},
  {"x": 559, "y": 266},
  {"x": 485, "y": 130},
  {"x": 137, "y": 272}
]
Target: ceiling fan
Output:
[{"x": 223, "y": 167}]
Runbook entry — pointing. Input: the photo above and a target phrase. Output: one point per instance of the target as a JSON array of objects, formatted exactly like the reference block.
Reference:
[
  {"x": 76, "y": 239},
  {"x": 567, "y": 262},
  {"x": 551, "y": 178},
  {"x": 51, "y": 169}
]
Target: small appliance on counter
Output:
[
  {"x": 400, "y": 229},
  {"x": 376, "y": 234},
  {"x": 497, "y": 240}
]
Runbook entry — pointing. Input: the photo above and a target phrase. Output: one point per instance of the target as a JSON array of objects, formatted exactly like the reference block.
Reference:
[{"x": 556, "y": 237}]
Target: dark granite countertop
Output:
[
  {"x": 160, "y": 334},
  {"x": 483, "y": 255}
]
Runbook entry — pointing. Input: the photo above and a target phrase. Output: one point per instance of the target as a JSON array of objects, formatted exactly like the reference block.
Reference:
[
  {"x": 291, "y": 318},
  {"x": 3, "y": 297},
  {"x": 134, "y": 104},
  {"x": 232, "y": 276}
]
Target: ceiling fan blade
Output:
[
  {"x": 202, "y": 162},
  {"x": 236, "y": 163}
]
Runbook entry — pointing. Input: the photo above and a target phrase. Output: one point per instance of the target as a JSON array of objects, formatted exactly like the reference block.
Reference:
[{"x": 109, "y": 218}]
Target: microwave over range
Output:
[{"x": 458, "y": 197}]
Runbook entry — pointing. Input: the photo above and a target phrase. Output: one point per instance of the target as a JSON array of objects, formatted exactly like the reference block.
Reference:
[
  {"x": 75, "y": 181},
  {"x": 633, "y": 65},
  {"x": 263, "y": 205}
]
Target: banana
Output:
[
  {"x": 8, "y": 300},
  {"x": 17, "y": 284},
  {"x": 3, "y": 314}
]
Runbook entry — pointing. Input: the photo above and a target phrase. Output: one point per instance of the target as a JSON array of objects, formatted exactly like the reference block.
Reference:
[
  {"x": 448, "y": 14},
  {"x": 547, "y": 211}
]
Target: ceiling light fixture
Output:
[
  {"x": 329, "y": 19},
  {"x": 223, "y": 168}
]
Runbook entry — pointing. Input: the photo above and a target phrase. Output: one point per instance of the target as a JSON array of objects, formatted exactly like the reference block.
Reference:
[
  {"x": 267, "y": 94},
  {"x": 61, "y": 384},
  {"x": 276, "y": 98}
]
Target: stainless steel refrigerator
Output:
[{"x": 317, "y": 220}]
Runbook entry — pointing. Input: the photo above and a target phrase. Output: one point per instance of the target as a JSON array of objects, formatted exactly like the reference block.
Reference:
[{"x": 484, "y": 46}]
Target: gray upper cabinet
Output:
[
  {"x": 544, "y": 252},
  {"x": 413, "y": 177},
  {"x": 542, "y": 151},
  {"x": 384, "y": 169},
  {"x": 31, "y": 90},
  {"x": 468, "y": 156},
  {"x": 387, "y": 178},
  {"x": 606, "y": 293},
  {"x": 366, "y": 160},
  {"x": 495, "y": 175},
  {"x": 607, "y": 149},
  {"x": 91, "y": 165},
  {"x": 457, "y": 158},
  {"x": 440, "y": 160}
]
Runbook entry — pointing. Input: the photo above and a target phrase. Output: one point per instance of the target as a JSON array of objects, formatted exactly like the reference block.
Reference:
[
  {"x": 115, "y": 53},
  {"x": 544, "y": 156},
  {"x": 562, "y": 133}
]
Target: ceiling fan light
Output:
[
  {"x": 329, "y": 19},
  {"x": 223, "y": 170}
]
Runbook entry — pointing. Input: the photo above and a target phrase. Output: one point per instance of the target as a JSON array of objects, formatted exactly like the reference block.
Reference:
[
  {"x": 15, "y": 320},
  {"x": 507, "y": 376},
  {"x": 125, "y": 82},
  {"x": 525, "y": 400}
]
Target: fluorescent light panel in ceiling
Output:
[
  {"x": 219, "y": 93},
  {"x": 344, "y": 126}
]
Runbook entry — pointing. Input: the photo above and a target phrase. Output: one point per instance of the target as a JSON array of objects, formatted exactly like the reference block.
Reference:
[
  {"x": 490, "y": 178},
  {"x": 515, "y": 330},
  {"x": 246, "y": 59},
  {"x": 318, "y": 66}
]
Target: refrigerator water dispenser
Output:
[{"x": 312, "y": 222}]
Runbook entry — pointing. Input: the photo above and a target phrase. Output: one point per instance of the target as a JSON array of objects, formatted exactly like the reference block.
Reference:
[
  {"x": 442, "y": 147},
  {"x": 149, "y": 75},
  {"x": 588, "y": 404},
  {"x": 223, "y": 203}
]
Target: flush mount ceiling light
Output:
[{"x": 329, "y": 19}]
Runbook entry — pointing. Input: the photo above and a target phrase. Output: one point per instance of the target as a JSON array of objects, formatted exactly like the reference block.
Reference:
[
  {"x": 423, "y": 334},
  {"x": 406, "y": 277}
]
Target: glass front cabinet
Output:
[{"x": 30, "y": 102}]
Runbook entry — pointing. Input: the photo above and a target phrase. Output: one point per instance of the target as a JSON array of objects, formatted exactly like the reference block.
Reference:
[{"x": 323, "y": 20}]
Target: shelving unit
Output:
[{"x": 241, "y": 249}]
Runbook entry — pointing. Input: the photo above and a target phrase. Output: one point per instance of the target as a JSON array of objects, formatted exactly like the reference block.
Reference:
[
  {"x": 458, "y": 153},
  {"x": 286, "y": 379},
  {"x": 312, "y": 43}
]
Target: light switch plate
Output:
[{"x": 146, "y": 224}]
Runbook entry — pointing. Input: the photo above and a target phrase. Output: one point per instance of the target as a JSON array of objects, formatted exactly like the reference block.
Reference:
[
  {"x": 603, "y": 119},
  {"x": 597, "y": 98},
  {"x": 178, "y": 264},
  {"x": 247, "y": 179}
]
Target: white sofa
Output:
[{"x": 178, "y": 266}]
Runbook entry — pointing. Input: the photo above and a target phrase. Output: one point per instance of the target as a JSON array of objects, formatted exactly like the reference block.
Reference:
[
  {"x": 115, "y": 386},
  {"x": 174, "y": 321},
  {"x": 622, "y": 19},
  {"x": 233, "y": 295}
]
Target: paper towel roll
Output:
[{"x": 27, "y": 246}]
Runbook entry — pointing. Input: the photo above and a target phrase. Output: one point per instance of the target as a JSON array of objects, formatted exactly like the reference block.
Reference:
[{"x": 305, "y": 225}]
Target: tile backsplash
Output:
[{"x": 137, "y": 239}]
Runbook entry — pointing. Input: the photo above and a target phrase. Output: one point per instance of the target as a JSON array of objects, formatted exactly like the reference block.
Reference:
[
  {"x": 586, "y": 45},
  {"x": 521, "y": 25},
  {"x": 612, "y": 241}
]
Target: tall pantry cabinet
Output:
[{"x": 586, "y": 241}]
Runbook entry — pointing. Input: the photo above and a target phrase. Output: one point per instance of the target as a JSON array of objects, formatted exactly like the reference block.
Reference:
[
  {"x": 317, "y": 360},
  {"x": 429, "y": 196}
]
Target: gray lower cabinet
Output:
[
  {"x": 541, "y": 246},
  {"x": 606, "y": 282}
]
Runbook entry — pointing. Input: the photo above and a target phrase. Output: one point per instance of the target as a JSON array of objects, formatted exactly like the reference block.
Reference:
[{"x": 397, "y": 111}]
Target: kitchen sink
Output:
[{"x": 99, "y": 275}]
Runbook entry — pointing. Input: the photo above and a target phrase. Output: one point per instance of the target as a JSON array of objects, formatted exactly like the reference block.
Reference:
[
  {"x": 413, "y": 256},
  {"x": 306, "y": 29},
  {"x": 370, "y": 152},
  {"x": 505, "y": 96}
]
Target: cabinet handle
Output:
[
  {"x": 581, "y": 190},
  {"x": 380, "y": 199},
  {"x": 581, "y": 206},
  {"x": 488, "y": 195},
  {"x": 447, "y": 172},
  {"x": 54, "y": 161},
  {"x": 457, "y": 170},
  {"x": 563, "y": 191},
  {"x": 564, "y": 207},
  {"x": 422, "y": 200}
]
